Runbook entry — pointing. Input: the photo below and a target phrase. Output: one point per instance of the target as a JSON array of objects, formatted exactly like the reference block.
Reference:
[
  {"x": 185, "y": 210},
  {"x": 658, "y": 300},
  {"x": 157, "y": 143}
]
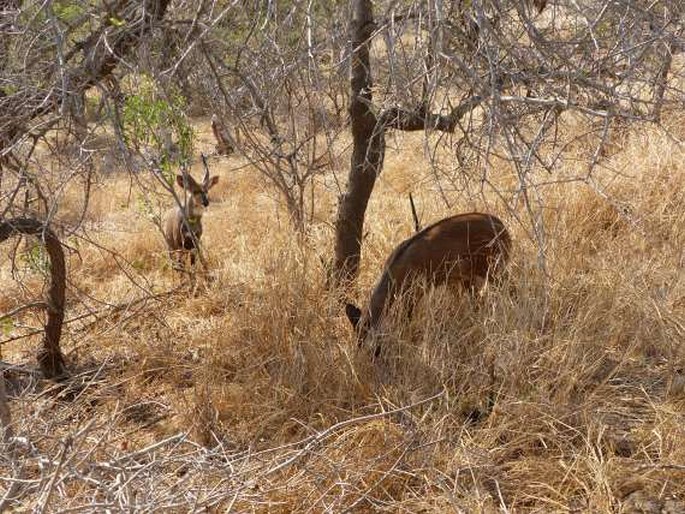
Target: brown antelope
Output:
[
  {"x": 465, "y": 250},
  {"x": 183, "y": 226}
]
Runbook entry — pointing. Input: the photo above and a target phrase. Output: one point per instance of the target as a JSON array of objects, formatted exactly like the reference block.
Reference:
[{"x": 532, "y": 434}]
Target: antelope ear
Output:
[
  {"x": 180, "y": 181},
  {"x": 213, "y": 181},
  {"x": 354, "y": 314}
]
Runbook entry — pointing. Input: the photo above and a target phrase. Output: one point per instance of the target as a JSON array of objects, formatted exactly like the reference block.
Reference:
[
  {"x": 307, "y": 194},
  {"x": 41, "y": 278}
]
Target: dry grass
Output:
[{"x": 551, "y": 393}]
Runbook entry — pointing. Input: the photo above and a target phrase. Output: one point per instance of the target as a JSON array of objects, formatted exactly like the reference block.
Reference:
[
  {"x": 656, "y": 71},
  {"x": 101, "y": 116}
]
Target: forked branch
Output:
[{"x": 402, "y": 119}]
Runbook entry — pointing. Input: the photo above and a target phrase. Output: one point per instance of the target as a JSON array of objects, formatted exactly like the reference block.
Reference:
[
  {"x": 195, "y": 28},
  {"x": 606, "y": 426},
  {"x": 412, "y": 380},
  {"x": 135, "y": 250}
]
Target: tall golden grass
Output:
[{"x": 560, "y": 390}]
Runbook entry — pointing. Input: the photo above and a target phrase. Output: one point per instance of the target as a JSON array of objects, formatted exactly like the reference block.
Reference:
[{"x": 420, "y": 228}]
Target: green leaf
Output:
[
  {"x": 6, "y": 325},
  {"x": 117, "y": 22}
]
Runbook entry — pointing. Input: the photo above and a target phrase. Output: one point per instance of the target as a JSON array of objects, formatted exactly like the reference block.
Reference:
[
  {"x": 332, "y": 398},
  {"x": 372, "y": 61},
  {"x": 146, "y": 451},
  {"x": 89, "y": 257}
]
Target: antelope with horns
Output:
[
  {"x": 183, "y": 226},
  {"x": 465, "y": 250}
]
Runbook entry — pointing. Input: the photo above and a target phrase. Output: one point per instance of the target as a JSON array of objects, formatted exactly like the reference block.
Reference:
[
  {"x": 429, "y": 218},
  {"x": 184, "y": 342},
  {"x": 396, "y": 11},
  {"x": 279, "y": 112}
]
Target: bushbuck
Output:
[
  {"x": 465, "y": 250},
  {"x": 183, "y": 227}
]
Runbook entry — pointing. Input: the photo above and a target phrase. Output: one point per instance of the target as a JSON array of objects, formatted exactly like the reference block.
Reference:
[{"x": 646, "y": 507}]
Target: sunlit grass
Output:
[{"x": 559, "y": 388}]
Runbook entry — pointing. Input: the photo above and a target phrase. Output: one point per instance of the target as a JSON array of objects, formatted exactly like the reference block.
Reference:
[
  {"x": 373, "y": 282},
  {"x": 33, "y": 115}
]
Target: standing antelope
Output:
[
  {"x": 466, "y": 250},
  {"x": 183, "y": 227}
]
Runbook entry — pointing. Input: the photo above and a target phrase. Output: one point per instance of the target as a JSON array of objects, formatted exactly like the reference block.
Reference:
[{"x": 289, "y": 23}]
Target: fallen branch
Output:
[
  {"x": 316, "y": 439},
  {"x": 22, "y": 308}
]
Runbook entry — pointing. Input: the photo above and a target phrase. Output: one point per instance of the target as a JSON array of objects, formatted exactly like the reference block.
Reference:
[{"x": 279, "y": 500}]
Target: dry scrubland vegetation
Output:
[{"x": 551, "y": 393}]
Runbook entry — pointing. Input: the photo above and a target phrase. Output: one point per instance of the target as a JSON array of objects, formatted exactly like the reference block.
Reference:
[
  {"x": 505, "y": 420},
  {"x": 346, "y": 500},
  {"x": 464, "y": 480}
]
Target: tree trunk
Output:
[
  {"x": 661, "y": 80},
  {"x": 6, "y": 431},
  {"x": 368, "y": 143},
  {"x": 368, "y": 150},
  {"x": 50, "y": 357}
]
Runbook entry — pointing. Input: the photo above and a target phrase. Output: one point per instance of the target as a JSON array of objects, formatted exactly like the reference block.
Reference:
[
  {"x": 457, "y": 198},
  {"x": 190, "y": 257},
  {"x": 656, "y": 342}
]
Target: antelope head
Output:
[{"x": 198, "y": 192}]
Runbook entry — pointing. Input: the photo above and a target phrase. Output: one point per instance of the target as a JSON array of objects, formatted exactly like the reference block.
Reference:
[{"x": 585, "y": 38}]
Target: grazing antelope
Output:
[
  {"x": 183, "y": 227},
  {"x": 466, "y": 250}
]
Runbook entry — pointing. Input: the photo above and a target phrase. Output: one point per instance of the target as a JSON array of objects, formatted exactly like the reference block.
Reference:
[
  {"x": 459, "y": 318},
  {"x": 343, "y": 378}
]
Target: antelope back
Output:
[{"x": 461, "y": 249}]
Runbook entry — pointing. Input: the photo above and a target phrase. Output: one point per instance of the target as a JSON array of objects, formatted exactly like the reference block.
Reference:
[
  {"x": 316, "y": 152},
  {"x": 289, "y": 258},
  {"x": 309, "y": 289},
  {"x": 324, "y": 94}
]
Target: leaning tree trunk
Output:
[
  {"x": 367, "y": 154},
  {"x": 50, "y": 357}
]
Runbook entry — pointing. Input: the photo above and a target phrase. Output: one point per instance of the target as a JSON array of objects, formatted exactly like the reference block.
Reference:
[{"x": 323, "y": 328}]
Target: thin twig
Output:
[{"x": 22, "y": 308}]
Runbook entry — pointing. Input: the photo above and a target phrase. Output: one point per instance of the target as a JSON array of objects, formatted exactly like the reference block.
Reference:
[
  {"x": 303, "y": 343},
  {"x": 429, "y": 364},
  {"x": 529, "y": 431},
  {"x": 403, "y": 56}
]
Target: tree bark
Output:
[
  {"x": 6, "y": 430},
  {"x": 50, "y": 356},
  {"x": 661, "y": 81},
  {"x": 367, "y": 153}
]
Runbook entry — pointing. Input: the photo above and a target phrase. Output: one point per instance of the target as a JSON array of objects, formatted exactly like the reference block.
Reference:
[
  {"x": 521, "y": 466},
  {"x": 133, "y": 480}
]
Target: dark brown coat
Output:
[{"x": 464, "y": 250}]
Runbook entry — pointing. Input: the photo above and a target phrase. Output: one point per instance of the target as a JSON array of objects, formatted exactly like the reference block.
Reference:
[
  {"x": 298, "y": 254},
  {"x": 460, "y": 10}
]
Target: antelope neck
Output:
[{"x": 192, "y": 209}]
